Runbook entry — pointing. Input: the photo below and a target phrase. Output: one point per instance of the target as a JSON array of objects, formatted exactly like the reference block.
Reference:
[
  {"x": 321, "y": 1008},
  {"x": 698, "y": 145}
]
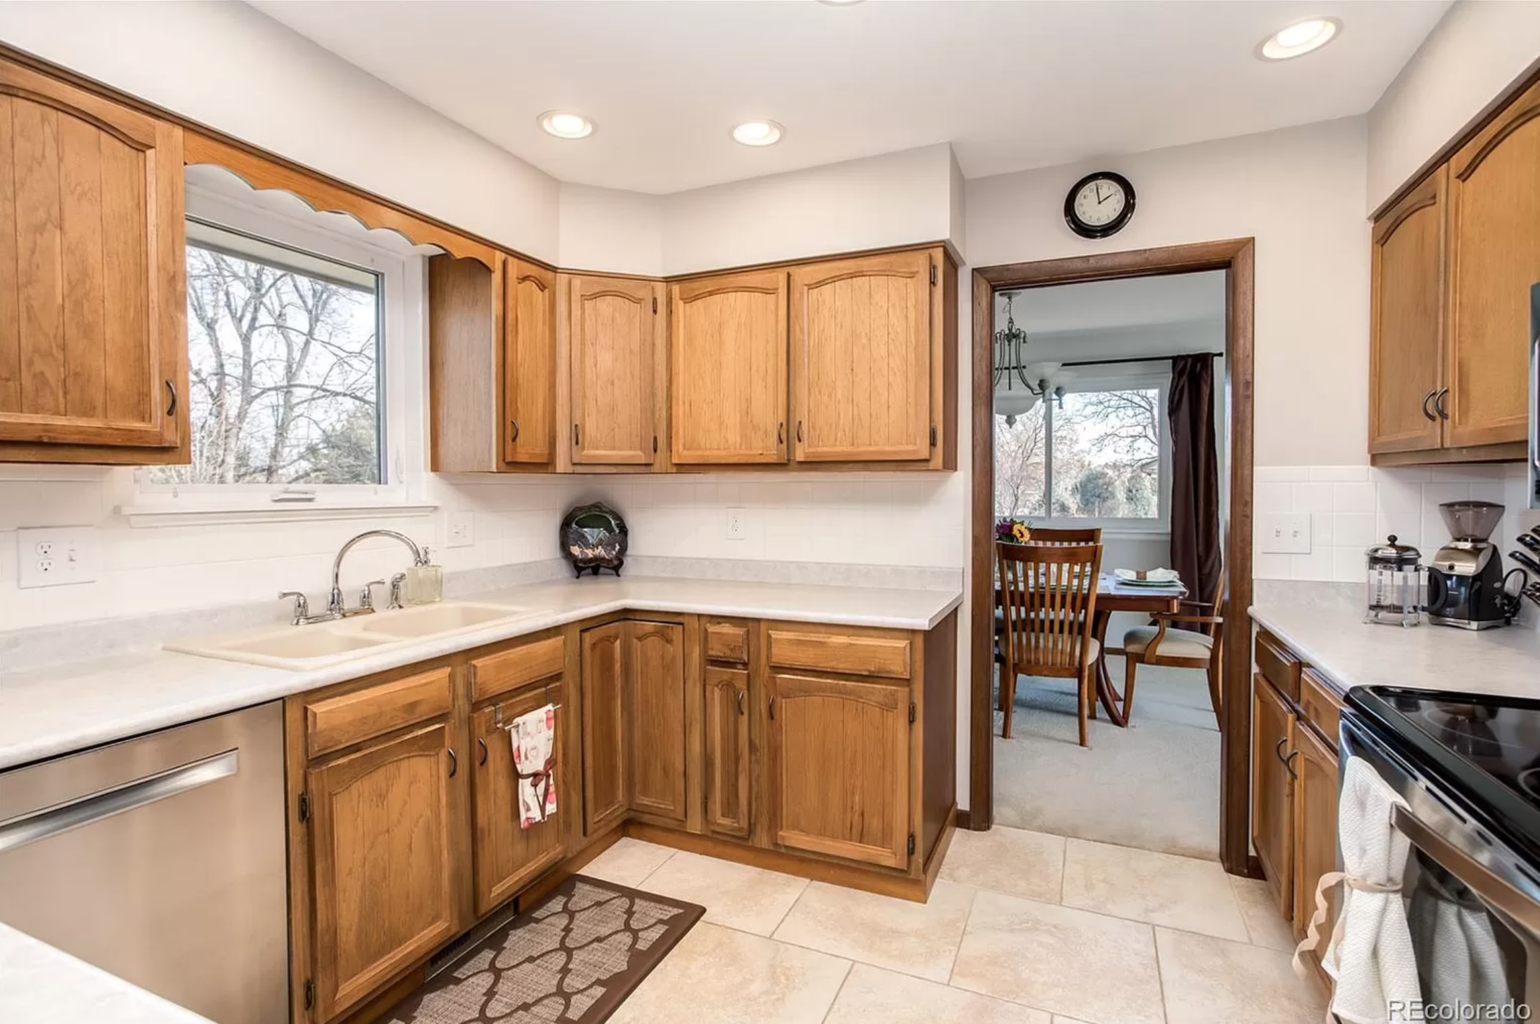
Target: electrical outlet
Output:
[
  {"x": 1284, "y": 533},
  {"x": 55, "y": 557},
  {"x": 737, "y": 524},
  {"x": 462, "y": 529}
]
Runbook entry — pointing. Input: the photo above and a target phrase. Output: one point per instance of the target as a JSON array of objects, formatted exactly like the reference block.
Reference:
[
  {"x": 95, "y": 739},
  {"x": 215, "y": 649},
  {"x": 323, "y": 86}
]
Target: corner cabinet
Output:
[
  {"x": 862, "y": 359},
  {"x": 616, "y": 364},
  {"x": 1452, "y": 264},
  {"x": 93, "y": 331}
]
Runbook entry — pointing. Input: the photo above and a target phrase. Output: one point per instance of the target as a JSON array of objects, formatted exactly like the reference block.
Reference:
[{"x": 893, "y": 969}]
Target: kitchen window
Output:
[{"x": 1103, "y": 459}]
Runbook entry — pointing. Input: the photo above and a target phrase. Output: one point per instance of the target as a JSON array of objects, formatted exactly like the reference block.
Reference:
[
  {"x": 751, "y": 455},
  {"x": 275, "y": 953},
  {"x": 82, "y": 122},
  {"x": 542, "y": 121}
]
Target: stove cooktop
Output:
[{"x": 1485, "y": 749}]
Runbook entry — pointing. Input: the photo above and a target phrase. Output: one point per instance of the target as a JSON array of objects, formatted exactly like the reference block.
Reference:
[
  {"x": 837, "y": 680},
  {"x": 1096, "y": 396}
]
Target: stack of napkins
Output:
[{"x": 1159, "y": 579}]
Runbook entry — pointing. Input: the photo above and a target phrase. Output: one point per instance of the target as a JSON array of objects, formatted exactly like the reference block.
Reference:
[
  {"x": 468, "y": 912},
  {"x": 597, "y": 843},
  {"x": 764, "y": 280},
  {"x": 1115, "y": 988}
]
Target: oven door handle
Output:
[{"x": 1523, "y": 910}]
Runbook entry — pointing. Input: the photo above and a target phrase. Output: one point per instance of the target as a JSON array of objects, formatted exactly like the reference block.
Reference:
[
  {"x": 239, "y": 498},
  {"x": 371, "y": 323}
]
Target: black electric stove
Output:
[{"x": 1484, "y": 751}]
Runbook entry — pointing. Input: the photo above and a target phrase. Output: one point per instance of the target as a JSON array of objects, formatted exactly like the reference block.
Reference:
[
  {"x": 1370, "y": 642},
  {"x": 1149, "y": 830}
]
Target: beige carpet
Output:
[{"x": 1153, "y": 786}]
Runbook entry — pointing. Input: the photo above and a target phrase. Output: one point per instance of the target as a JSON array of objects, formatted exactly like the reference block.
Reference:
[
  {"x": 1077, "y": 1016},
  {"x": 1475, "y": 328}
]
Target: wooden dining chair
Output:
[
  {"x": 1159, "y": 644},
  {"x": 1048, "y": 596},
  {"x": 1054, "y": 538}
]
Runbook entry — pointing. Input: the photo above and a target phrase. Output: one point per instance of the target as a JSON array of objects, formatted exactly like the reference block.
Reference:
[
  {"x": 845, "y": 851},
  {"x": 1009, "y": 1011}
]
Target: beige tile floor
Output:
[{"x": 1022, "y": 928}]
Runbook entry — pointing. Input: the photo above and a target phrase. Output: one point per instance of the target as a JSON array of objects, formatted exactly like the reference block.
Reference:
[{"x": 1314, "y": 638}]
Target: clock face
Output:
[{"x": 1099, "y": 204}]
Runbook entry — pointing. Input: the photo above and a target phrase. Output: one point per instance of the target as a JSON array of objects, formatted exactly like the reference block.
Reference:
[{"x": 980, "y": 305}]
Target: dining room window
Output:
[{"x": 1102, "y": 456}]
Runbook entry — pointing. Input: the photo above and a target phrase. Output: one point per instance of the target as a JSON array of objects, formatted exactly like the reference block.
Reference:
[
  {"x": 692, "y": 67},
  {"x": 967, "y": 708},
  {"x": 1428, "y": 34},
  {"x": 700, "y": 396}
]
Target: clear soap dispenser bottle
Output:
[{"x": 424, "y": 582}]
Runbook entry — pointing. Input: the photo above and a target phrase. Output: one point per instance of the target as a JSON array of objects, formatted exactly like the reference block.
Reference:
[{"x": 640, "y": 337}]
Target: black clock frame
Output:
[{"x": 1113, "y": 226}]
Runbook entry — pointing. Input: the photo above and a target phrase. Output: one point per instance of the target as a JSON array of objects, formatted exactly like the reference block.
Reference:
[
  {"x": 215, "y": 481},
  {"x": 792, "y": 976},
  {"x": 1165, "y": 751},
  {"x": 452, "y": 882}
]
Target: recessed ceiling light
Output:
[
  {"x": 1300, "y": 38},
  {"x": 758, "y": 133},
  {"x": 566, "y": 125},
  {"x": 839, "y": 3}
]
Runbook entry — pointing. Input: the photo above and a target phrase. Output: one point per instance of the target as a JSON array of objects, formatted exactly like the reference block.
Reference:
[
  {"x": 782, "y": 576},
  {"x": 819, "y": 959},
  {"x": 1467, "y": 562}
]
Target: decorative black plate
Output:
[{"x": 594, "y": 537}]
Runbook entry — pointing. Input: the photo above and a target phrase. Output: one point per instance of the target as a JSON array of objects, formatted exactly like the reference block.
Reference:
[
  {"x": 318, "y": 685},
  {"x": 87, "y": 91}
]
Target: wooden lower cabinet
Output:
[
  {"x": 1272, "y": 791},
  {"x": 654, "y": 718},
  {"x": 725, "y": 738},
  {"x": 381, "y": 829},
  {"x": 604, "y": 727},
  {"x": 839, "y": 767},
  {"x": 1315, "y": 827},
  {"x": 508, "y": 857}
]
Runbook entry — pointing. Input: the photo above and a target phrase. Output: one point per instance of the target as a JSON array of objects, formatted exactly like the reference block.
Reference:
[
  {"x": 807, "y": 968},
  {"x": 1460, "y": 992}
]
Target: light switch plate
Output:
[
  {"x": 1284, "y": 533},
  {"x": 462, "y": 530},
  {"x": 56, "y": 556},
  {"x": 737, "y": 524}
]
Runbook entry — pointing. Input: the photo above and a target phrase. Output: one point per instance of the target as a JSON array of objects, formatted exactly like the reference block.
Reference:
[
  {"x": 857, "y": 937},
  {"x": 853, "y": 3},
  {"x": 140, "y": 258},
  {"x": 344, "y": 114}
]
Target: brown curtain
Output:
[{"x": 1195, "y": 551}]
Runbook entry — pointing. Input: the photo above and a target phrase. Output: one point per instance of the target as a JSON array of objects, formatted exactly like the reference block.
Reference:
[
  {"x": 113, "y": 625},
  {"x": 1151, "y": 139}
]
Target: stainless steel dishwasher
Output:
[{"x": 161, "y": 859}]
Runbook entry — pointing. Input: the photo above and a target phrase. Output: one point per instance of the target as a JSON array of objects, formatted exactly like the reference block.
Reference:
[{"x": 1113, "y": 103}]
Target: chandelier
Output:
[{"x": 1024, "y": 383}]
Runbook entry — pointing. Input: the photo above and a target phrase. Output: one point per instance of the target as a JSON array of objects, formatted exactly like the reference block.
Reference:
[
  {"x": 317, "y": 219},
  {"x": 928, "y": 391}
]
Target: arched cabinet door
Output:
[
  {"x": 93, "y": 334},
  {"x": 655, "y": 717},
  {"x": 529, "y": 362},
  {"x": 614, "y": 340},
  {"x": 1494, "y": 258},
  {"x": 861, "y": 359}
]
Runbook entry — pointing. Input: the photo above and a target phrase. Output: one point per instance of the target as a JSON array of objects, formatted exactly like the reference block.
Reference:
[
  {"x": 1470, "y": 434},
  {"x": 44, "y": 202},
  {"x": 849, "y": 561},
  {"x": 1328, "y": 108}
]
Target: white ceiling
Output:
[
  {"x": 1011, "y": 85},
  {"x": 1115, "y": 305}
]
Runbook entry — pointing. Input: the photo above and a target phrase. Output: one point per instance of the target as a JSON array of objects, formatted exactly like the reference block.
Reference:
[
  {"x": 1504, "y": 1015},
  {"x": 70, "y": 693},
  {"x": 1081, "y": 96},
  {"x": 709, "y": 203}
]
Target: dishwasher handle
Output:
[{"x": 51, "y": 821}]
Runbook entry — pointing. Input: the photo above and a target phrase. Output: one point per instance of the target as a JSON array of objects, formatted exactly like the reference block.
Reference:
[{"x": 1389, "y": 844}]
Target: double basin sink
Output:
[{"x": 321, "y": 644}]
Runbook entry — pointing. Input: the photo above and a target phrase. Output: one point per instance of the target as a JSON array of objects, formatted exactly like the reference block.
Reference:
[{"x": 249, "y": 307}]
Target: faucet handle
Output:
[
  {"x": 366, "y": 595},
  {"x": 301, "y": 605},
  {"x": 396, "y": 583}
]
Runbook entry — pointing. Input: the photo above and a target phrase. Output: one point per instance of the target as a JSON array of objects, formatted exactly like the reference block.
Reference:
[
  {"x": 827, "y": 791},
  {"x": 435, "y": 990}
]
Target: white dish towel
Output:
[
  {"x": 534, "y": 740},
  {"x": 1370, "y": 956}
]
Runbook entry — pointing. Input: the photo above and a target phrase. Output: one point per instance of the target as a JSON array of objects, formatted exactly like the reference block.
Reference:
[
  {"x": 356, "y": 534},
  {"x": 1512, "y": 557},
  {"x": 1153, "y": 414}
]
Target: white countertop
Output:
[
  {"x": 1331, "y": 638},
  {"x": 42, "y": 985},
  {"x": 67, "y": 707}
]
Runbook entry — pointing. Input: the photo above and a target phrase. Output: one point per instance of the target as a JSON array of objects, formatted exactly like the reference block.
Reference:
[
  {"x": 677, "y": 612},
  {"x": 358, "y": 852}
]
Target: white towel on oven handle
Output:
[
  {"x": 533, "y": 736},
  {"x": 1370, "y": 956}
]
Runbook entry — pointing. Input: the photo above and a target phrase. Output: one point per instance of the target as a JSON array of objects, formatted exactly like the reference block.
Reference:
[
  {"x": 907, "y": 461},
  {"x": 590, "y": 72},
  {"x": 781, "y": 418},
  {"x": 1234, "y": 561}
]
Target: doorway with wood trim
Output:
[{"x": 1234, "y": 258}]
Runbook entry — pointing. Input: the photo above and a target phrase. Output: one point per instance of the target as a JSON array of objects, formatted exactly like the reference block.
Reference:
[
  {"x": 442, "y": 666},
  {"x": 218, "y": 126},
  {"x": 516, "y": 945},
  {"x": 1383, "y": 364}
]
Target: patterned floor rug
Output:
[{"x": 571, "y": 960}]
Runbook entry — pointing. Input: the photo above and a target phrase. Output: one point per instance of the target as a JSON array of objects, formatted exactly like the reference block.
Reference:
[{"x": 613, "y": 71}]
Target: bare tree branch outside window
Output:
[{"x": 284, "y": 376}]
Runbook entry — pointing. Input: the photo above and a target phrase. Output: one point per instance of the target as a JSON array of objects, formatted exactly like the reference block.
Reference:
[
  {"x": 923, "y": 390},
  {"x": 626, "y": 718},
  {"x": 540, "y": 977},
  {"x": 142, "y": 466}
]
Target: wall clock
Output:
[{"x": 1100, "y": 204}]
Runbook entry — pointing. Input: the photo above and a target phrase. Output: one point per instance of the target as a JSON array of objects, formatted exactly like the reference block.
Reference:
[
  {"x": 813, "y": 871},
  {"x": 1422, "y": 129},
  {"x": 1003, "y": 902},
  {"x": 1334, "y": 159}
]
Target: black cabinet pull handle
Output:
[
  {"x": 1426, "y": 412},
  {"x": 1438, "y": 403},
  {"x": 515, "y": 438},
  {"x": 740, "y": 702},
  {"x": 483, "y": 745},
  {"x": 575, "y": 442},
  {"x": 780, "y": 433},
  {"x": 1278, "y": 750},
  {"x": 171, "y": 390},
  {"x": 772, "y": 707},
  {"x": 799, "y": 431},
  {"x": 454, "y": 762},
  {"x": 1288, "y": 763}
]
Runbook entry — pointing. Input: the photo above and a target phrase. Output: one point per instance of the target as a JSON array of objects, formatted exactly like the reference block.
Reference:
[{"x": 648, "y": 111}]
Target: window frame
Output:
[
  {"x": 400, "y": 370},
  {"x": 1113, "y": 377}
]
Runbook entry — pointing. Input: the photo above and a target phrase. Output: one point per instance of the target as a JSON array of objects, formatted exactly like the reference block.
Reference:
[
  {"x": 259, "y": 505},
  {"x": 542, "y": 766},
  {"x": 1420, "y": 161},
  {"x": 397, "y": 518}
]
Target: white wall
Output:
[
  {"x": 612, "y": 230},
  {"x": 228, "y": 66},
  {"x": 1475, "y": 52}
]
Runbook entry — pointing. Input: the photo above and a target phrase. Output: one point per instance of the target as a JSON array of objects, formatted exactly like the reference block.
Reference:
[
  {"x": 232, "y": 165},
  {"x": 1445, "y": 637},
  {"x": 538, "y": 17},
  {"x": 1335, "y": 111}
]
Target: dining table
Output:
[{"x": 1113, "y": 595}]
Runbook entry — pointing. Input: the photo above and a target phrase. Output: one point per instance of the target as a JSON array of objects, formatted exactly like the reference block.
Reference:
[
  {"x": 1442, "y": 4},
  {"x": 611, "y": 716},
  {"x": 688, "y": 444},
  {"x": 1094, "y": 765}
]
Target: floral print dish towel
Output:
[{"x": 534, "y": 740}]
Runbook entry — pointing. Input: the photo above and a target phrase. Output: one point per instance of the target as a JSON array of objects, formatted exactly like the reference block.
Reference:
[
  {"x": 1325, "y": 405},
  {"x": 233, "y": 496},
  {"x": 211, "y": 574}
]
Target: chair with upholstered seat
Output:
[
  {"x": 1159, "y": 644},
  {"x": 1048, "y": 597}
]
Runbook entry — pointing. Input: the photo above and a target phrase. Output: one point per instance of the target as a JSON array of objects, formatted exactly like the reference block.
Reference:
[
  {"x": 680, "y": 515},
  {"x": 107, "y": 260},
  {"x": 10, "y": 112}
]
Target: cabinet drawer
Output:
[
  {"x": 849, "y": 655},
  {"x": 1279, "y": 665},
  {"x": 354, "y": 717},
  {"x": 1320, "y": 704},
  {"x": 508, "y": 670},
  {"x": 727, "y": 642}
]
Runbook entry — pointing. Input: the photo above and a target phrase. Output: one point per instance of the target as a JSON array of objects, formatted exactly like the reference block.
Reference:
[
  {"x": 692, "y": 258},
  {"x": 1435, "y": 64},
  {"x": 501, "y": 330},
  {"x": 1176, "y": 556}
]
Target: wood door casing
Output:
[
  {"x": 655, "y": 720},
  {"x": 861, "y": 358},
  {"x": 1494, "y": 258},
  {"x": 726, "y": 742},
  {"x": 508, "y": 857},
  {"x": 727, "y": 368},
  {"x": 529, "y": 363},
  {"x": 839, "y": 767},
  {"x": 1406, "y": 321},
  {"x": 1272, "y": 790},
  {"x": 1315, "y": 828},
  {"x": 93, "y": 334},
  {"x": 604, "y": 727},
  {"x": 381, "y": 852},
  {"x": 613, "y": 339}
]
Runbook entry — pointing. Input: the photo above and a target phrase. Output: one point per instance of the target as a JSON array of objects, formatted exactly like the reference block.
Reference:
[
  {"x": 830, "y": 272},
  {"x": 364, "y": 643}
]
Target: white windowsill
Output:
[{"x": 169, "y": 514}]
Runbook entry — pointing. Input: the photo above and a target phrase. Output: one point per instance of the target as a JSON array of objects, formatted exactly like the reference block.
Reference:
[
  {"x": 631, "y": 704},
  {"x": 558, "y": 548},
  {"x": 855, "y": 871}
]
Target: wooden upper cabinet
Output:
[
  {"x": 1406, "y": 332},
  {"x": 1494, "y": 258},
  {"x": 654, "y": 711},
  {"x": 93, "y": 333},
  {"x": 862, "y": 336},
  {"x": 381, "y": 855},
  {"x": 529, "y": 362},
  {"x": 615, "y": 348},
  {"x": 1272, "y": 791},
  {"x": 604, "y": 726},
  {"x": 839, "y": 767},
  {"x": 727, "y": 368}
]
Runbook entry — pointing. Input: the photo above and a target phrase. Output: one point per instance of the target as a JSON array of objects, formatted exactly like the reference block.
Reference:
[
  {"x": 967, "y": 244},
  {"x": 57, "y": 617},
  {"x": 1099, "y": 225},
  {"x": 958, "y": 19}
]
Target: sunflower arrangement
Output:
[{"x": 1013, "y": 531}]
